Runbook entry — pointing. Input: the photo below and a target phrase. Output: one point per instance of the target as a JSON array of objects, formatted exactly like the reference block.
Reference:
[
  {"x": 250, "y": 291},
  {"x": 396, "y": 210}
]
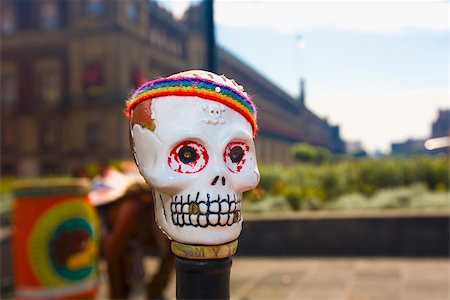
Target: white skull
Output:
[{"x": 198, "y": 169}]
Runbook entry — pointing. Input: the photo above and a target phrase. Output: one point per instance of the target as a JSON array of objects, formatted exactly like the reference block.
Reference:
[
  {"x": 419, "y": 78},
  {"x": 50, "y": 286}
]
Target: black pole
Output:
[
  {"x": 210, "y": 36},
  {"x": 203, "y": 278}
]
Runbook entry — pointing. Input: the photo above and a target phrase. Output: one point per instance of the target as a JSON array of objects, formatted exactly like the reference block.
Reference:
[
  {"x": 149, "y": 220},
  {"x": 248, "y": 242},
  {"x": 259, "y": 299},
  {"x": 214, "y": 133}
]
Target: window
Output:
[
  {"x": 132, "y": 10},
  {"x": 49, "y": 136},
  {"x": 95, "y": 8},
  {"x": 7, "y": 138},
  {"x": 49, "y": 18},
  {"x": 137, "y": 78},
  {"x": 93, "y": 80},
  {"x": 94, "y": 135},
  {"x": 49, "y": 88},
  {"x": 47, "y": 82},
  {"x": 8, "y": 89},
  {"x": 7, "y": 19}
]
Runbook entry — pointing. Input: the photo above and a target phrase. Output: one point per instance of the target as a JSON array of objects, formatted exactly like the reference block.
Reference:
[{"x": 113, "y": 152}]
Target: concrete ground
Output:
[{"x": 329, "y": 278}]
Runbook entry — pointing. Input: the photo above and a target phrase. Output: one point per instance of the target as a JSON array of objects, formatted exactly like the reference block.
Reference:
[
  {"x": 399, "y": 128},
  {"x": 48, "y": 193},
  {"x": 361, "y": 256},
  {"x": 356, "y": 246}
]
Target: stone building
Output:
[
  {"x": 441, "y": 127},
  {"x": 440, "y": 133},
  {"x": 409, "y": 147},
  {"x": 437, "y": 143},
  {"x": 67, "y": 67}
]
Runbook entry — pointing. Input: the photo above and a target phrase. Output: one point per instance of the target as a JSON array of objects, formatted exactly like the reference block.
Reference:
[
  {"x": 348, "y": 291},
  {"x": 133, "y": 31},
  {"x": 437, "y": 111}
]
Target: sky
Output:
[{"x": 378, "y": 69}]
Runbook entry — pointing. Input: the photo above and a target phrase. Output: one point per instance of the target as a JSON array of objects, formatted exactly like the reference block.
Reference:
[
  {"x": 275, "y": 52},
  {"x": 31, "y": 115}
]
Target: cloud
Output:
[{"x": 363, "y": 16}]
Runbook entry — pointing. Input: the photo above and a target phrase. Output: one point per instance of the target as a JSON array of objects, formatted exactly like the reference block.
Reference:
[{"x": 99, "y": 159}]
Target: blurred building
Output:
[
  {"x": 441, "y": 127},
  {"x": 409, "y": 147},
  {"x": 440, "y": 134},
  {"x": 354, "y": 147},
  {"x": 67, "y": 67},
  {"x": 438, "y": 143}
]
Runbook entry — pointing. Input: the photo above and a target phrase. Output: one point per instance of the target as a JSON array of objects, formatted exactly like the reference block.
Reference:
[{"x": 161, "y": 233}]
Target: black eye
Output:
[
  {"x": 236, "y": 154},
  {"x": 187, "y": 155}
]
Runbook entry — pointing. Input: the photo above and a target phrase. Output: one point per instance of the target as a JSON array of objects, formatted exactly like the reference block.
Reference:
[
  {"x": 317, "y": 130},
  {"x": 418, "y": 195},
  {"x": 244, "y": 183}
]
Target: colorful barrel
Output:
[{"x": 55, "y": 240}]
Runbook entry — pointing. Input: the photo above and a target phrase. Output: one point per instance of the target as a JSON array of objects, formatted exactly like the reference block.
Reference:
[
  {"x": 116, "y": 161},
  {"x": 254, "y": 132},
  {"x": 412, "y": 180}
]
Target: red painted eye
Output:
[
  {"x": 235, "y": 156},
  {"x": 188, "y": 157}
]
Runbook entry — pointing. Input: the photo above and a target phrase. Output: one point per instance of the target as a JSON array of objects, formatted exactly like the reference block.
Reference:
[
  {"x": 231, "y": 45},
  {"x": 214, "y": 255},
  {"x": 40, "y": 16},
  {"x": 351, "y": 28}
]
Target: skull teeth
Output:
[
  {"x": 222, "y": 211},
  {"x": 206, "y": 220},
  {"x": 192, "y": 208},
  {"x": 236, "y": 216},
  {"x": 221, "y": 206}
]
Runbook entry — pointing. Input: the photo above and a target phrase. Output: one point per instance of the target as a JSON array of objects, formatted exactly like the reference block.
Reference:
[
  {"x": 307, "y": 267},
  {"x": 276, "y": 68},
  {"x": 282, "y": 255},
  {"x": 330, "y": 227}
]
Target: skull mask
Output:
[{"x": 192, "y": 138}]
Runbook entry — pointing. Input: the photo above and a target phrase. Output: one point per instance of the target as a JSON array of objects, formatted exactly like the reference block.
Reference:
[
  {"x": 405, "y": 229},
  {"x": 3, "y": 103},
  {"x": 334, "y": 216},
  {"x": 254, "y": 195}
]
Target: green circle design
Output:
[
  {"x": 69, "y": 225},
  {"x": 68, "y": 216}
]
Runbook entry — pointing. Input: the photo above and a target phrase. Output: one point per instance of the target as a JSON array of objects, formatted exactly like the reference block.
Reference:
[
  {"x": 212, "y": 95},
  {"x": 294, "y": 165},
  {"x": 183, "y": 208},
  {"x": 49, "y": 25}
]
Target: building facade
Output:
[
  {"x": 437, "y": 143},
  {"x": 441, "y": 127},
  {"x": 409, "y": 147},
  {"x": 67, "y": 67},
  {"x": 440, "y": 130}
]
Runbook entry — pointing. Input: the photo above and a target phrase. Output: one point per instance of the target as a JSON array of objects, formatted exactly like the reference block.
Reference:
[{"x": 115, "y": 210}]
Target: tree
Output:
[{"x": 303, "y": 152}]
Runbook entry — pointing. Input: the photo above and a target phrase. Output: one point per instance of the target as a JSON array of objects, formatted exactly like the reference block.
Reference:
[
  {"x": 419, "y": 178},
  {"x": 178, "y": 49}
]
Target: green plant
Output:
[
  {"x": 303, "y": 152},
  {"x": 313, "y": 186},
  {"x": 405, "y": 197},
  {"x": 269, "y": 204}
]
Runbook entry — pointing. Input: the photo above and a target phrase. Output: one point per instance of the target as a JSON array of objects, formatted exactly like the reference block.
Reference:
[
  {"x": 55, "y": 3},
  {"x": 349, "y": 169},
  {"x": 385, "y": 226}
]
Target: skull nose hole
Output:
[{"x": 215, "y": 180}]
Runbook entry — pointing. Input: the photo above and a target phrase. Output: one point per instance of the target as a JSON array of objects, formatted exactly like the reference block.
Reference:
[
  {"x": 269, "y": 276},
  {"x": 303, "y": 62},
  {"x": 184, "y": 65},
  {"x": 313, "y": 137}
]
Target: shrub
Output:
[
  {"x": 270, "y": 204},
  {"x": 303, "y": 152},
  {"x": 293, "y": 195},
  {"x": 312, "y": 186},
  {"x": 407, "y": 197},
  {"x": 435, "y": 172},
  {"x": 332, "y": 183},
  {"x": 271, "y": 176}
]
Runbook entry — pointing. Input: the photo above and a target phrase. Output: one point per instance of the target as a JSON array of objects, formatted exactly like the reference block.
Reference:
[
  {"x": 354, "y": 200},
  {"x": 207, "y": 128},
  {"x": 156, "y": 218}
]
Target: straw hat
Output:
[{"x": 114, "y": 185}]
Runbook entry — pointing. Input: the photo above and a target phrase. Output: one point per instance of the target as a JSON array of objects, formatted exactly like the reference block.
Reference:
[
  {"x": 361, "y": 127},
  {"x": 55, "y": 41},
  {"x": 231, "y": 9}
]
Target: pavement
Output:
[{"x": 327, "y": 278}]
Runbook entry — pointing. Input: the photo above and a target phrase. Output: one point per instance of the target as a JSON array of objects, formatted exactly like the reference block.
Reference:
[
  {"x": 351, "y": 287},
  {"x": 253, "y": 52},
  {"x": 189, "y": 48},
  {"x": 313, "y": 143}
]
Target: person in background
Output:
[{"x": 126, "y": 207}]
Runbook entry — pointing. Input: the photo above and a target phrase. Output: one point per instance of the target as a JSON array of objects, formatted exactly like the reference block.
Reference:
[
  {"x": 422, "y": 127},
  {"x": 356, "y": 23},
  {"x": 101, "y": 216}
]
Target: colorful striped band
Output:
[{"x": 200, "y": 87}]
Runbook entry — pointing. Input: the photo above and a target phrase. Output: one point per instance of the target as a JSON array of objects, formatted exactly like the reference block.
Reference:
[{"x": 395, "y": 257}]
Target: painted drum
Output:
[{"x": 55, "y": 240}]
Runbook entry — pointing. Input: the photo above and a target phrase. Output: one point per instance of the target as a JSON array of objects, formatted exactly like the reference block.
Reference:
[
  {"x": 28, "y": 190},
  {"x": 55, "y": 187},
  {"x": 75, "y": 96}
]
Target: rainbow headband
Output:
[{"x": 200, "y": 87}]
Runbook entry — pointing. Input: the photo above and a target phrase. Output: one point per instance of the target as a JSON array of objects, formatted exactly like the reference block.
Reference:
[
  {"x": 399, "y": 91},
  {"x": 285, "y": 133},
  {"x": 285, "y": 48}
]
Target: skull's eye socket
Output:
[
  {"x": 188, "y": 157},
  {"x": 187, "y": 154},
  {"x": 236, "y": 154}
]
